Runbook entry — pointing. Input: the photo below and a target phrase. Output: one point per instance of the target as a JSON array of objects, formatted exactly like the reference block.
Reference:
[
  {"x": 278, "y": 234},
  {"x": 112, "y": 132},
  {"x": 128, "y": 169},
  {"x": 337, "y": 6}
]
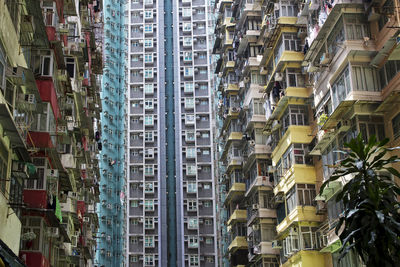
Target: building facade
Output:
[
  {"x": 297, "y": 79},
  {"x": 50, "y": 63},
  {"x": 111, "y": 234},
  {"x": 171, "y": 198}
]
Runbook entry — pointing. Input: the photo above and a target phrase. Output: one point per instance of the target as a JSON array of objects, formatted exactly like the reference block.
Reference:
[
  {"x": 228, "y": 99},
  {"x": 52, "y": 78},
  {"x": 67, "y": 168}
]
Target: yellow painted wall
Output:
[{"x": 10, "y": 228}]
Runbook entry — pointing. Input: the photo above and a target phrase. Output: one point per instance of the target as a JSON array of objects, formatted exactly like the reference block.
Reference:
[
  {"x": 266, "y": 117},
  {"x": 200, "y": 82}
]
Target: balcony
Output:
[
  {"x": 239, "y": 242},
  {"x": 255, "y": 151},
  {"x": 306, "y": 258},
  {"x": 296, "y": 174},
  {"x": 34, "y": 259},
  {"x": 238, "y": 216},
  {"x": 300, "y": 213},
  {"x": 235, "y": 191},
  {"x": 294, "y": 134},
  {"x": 260, "y": 183},
  {"x": 260, "y": 213}
]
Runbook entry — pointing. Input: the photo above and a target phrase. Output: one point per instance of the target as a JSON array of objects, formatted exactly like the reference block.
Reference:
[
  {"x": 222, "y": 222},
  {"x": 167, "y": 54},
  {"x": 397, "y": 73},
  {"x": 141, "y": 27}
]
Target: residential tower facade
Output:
[
  {"x": 297, "y": 79},
  {"x": 171, "y": 198}
]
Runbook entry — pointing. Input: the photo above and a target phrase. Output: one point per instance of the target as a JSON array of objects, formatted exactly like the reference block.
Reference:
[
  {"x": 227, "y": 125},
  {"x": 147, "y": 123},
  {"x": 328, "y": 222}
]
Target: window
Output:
[
  {"x": 191, "y": 187},
  {"x": 188, "y": 87},
  {"x": 187, "y": 41},
  {"x": 148, "y": 170},
  {"x": 204, "y": 118},
  {"x": 135, "y": 44},
  {"x": 208, "y": 222},
  {"x": 188, "y": 71},
  {"x": 191, "y": 169},
  {"x": 203, "y": 71},
  {"x": 187, "y": 26},
  {"x": 192, "y": 205},
  {"x": 294, "y": 115},
  {"x": 200, "y": 26},
  {"x": 258, "y": 107},
  {"x": 134, "y": 240},
  {"x": 304, "y": 196},
  {"x": 396, "y": 126},
  {"x": 3, "y": 168},
  {"x": 148, "y": 153},
  {"x": 203, "y": 87},
  {"x": 193, "y": 223},
  {"x": 193, "y": 242},
  {"x": 206, "y": 186},
  {"x": 148, "y": 88},
  {"x": 148, "y": 104},
  {"x": 209, "y": 241},
  {"x": 186, "y": 12},
  {"x": 148, "y": 137},
  {"x": 148, "y": 120},
  {"x": 189, "y": 136},
  {"x": 149, "y": 187},
  {"x": 205, "y": 135},
  {"x": 288, "y": 9},
  {"x": 365, "y": 79},
  {"x": 149, "y": 241},
  {"x": 70, "y": 64},
  {"x": 193, "y": 260},
  {"x": 189, "y": 119},
  {"x": 148, "y": 223},
  {"x": 148, "y": 58},
  {"x": 149, "y": 260},
  {"x": 2, "y": 69},
  {"x": 341, "y": 87},
  {"x": 149, "y": 205},
  {"x": 135, "y": 58},
  {"x": 134, "y": 204},
  {"x": 148, "y": 43},
  {"x": 148, "y": 14},
  {"x": 206, "y": 152},
  {"x": 148, "y": 28},
  {"x": 207, "y": 204},
  {"x": 191, "y": 152},
  {"x": 187, "y": 56},
  {"x": 371, "y": 125},
  {"x": 356, "y": 27},
  {"x": 148, "y": 73},
  {"x": 202, "y": 55},
  {"x": 189, "y": 103}
]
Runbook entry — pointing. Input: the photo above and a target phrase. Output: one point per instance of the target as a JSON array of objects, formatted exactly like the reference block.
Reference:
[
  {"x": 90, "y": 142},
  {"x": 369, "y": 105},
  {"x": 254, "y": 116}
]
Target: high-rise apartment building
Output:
[
  {"x": 112, "y": 208},
  {"x": 297, "y": 79},
  {"x": 169, "y": 148},
  {"x": 50, "y": 67}
]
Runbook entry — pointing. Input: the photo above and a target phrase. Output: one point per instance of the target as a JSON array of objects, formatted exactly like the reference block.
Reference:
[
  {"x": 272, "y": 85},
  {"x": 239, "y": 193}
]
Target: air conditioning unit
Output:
[
  {"x": 256, "y": 227},
  {"x": 246, "y": 79},
  {"x": 109, "y": 206},
  {"x": 255, "y": 207},
  {"x": 252, "y": 143},
  {"x": 86, "y": 219}
]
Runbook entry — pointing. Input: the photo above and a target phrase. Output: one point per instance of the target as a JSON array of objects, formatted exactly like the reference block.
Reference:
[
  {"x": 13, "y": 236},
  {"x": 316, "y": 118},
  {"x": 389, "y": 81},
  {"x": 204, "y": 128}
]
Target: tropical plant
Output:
[{"x": 370, "y": 223}]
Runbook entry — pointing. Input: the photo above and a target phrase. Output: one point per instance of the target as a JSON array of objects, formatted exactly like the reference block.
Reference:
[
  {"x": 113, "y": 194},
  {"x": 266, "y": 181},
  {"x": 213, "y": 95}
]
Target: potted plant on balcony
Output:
[{"x": 370, "y": 224}]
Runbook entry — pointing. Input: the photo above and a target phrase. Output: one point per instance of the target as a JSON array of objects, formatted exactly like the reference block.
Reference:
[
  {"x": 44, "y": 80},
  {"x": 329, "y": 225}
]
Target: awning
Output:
[{"x": 8, "y": 258}]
